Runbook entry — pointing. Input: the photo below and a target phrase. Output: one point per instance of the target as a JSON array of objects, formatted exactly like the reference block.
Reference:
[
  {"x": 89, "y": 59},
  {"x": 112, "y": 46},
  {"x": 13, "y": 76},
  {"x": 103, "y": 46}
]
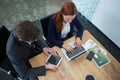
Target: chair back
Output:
[
  {"x": 4, "y": 75},
  {"x": 4, "y": 34},
  {"x": 45, "y": 23},
  {"x": 5, "y": 64}
]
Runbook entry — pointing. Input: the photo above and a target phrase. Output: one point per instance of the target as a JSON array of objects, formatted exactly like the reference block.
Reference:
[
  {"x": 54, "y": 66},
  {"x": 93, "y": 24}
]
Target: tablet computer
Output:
[{"x": 54, "y": 59}]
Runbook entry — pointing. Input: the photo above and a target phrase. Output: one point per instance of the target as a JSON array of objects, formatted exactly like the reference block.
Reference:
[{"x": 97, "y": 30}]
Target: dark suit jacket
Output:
[
  {"x": 19, "y": 53},
  {"x": 55, "y": 37}
]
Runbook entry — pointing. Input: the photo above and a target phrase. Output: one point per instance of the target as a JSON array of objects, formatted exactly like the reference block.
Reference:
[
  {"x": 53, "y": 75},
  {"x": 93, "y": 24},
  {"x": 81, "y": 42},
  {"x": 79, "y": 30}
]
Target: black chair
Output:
[
  {"x": 5, "y": 64},
  {"x": 41, "y": 37},
  {"x": 4, "y": 34},
  {"x": 5, "y": 76},
  {"x": 45, "y": 23}
]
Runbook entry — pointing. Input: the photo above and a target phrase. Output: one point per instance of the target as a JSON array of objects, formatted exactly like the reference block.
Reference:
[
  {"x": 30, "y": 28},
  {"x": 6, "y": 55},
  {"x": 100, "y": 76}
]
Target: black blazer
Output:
[{"x": 20, "y": 52}]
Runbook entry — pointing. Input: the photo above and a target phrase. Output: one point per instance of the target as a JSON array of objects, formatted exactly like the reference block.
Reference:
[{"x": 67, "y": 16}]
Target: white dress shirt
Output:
[{"x": 65, "y": 30}]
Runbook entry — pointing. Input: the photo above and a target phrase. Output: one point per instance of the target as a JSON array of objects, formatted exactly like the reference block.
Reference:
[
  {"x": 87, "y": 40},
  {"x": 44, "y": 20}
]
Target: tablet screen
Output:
[{"x": 54, "y": 59}]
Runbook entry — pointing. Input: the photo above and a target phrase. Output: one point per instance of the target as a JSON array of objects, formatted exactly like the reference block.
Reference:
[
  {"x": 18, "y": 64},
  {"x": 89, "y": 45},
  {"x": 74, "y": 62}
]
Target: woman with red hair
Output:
[{"x": 61, "y": 27}]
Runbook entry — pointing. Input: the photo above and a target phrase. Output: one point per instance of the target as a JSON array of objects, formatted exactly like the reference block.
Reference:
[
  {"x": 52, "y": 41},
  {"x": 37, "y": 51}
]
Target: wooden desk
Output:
[{"x": 79, "y": 68}]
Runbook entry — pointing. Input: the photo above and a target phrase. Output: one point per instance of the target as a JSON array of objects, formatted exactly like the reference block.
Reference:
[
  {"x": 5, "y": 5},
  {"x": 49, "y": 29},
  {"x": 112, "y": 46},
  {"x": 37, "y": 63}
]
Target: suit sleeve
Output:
[
  {"x": 52, "y": 34},
  {"x": 24, "y": 69},
  {"x": 41, "y": 43},
  {"x": 79, "y": 27}
]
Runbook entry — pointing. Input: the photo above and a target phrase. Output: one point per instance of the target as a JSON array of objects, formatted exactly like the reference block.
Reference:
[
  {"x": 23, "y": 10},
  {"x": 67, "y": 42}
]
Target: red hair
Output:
[{"x": 68, "y": 8}]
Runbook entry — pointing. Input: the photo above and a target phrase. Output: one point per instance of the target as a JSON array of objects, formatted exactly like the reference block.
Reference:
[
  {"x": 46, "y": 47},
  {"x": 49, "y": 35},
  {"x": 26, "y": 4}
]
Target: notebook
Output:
[
  {"x": 76, "y": 53},
  {"x": 54, "y": 59}
]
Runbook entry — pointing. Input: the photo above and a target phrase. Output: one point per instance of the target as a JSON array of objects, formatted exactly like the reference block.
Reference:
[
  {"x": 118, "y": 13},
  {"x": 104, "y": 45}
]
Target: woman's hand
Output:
[
  {"x": 68, "y": 48},
  {"x": 78, "y": 42},
  {"x": 47, "y": 51}
]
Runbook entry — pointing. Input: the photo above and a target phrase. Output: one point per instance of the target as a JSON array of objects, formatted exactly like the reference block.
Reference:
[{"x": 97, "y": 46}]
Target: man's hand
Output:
[
  {"x": 78, "y": 42},
  {"x": 47, "y": 51},
  {"x": 51, "y": 66}
]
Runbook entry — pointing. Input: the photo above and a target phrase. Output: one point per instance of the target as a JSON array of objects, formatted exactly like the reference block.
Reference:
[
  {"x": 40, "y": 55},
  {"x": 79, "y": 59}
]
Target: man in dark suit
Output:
[{"x": 24, "y": 43}]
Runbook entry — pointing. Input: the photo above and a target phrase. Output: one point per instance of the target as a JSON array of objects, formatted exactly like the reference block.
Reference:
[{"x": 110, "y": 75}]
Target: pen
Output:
[{"x": 57, "y": 53}]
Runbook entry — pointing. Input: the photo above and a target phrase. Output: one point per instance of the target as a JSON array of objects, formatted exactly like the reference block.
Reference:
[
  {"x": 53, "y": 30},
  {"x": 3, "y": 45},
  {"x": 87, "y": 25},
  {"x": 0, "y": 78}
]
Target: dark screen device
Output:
[
  {"x": 76, "y": 53},
  {"x": 90, "y": 55},
  {"x": 54, "y": 59}
]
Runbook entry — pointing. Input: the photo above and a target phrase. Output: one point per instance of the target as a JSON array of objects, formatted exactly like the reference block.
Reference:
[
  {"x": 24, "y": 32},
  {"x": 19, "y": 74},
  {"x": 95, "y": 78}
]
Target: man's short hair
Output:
[{"x": 27, "y": 31}]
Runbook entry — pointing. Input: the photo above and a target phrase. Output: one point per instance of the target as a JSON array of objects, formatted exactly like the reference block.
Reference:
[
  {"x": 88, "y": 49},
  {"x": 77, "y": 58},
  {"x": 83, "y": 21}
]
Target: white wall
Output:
[{"x": 107, "y": 19}]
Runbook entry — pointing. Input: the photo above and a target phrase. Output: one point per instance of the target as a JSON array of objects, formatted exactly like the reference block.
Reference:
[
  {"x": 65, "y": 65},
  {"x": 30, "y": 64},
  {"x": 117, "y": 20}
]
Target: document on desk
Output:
[
  {"x": 100, "y": 56},
  {"x": 76, "y": 53}
]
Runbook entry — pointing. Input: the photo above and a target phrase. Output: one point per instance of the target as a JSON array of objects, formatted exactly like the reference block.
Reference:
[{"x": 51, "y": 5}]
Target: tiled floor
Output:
[
  {"x": 86, "y": 7},
  {"x": 54, "y": 5},
  {"x": 13, "y": 11}
]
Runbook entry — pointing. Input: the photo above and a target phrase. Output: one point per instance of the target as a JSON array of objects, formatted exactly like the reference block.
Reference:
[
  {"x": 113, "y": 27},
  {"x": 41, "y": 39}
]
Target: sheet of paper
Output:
[{"x": 100, "y": 56}]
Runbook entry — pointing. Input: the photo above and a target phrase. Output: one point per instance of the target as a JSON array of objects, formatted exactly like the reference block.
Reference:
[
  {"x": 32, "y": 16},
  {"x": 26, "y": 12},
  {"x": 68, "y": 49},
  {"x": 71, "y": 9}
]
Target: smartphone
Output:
[{"x": 90, "y": 55}]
